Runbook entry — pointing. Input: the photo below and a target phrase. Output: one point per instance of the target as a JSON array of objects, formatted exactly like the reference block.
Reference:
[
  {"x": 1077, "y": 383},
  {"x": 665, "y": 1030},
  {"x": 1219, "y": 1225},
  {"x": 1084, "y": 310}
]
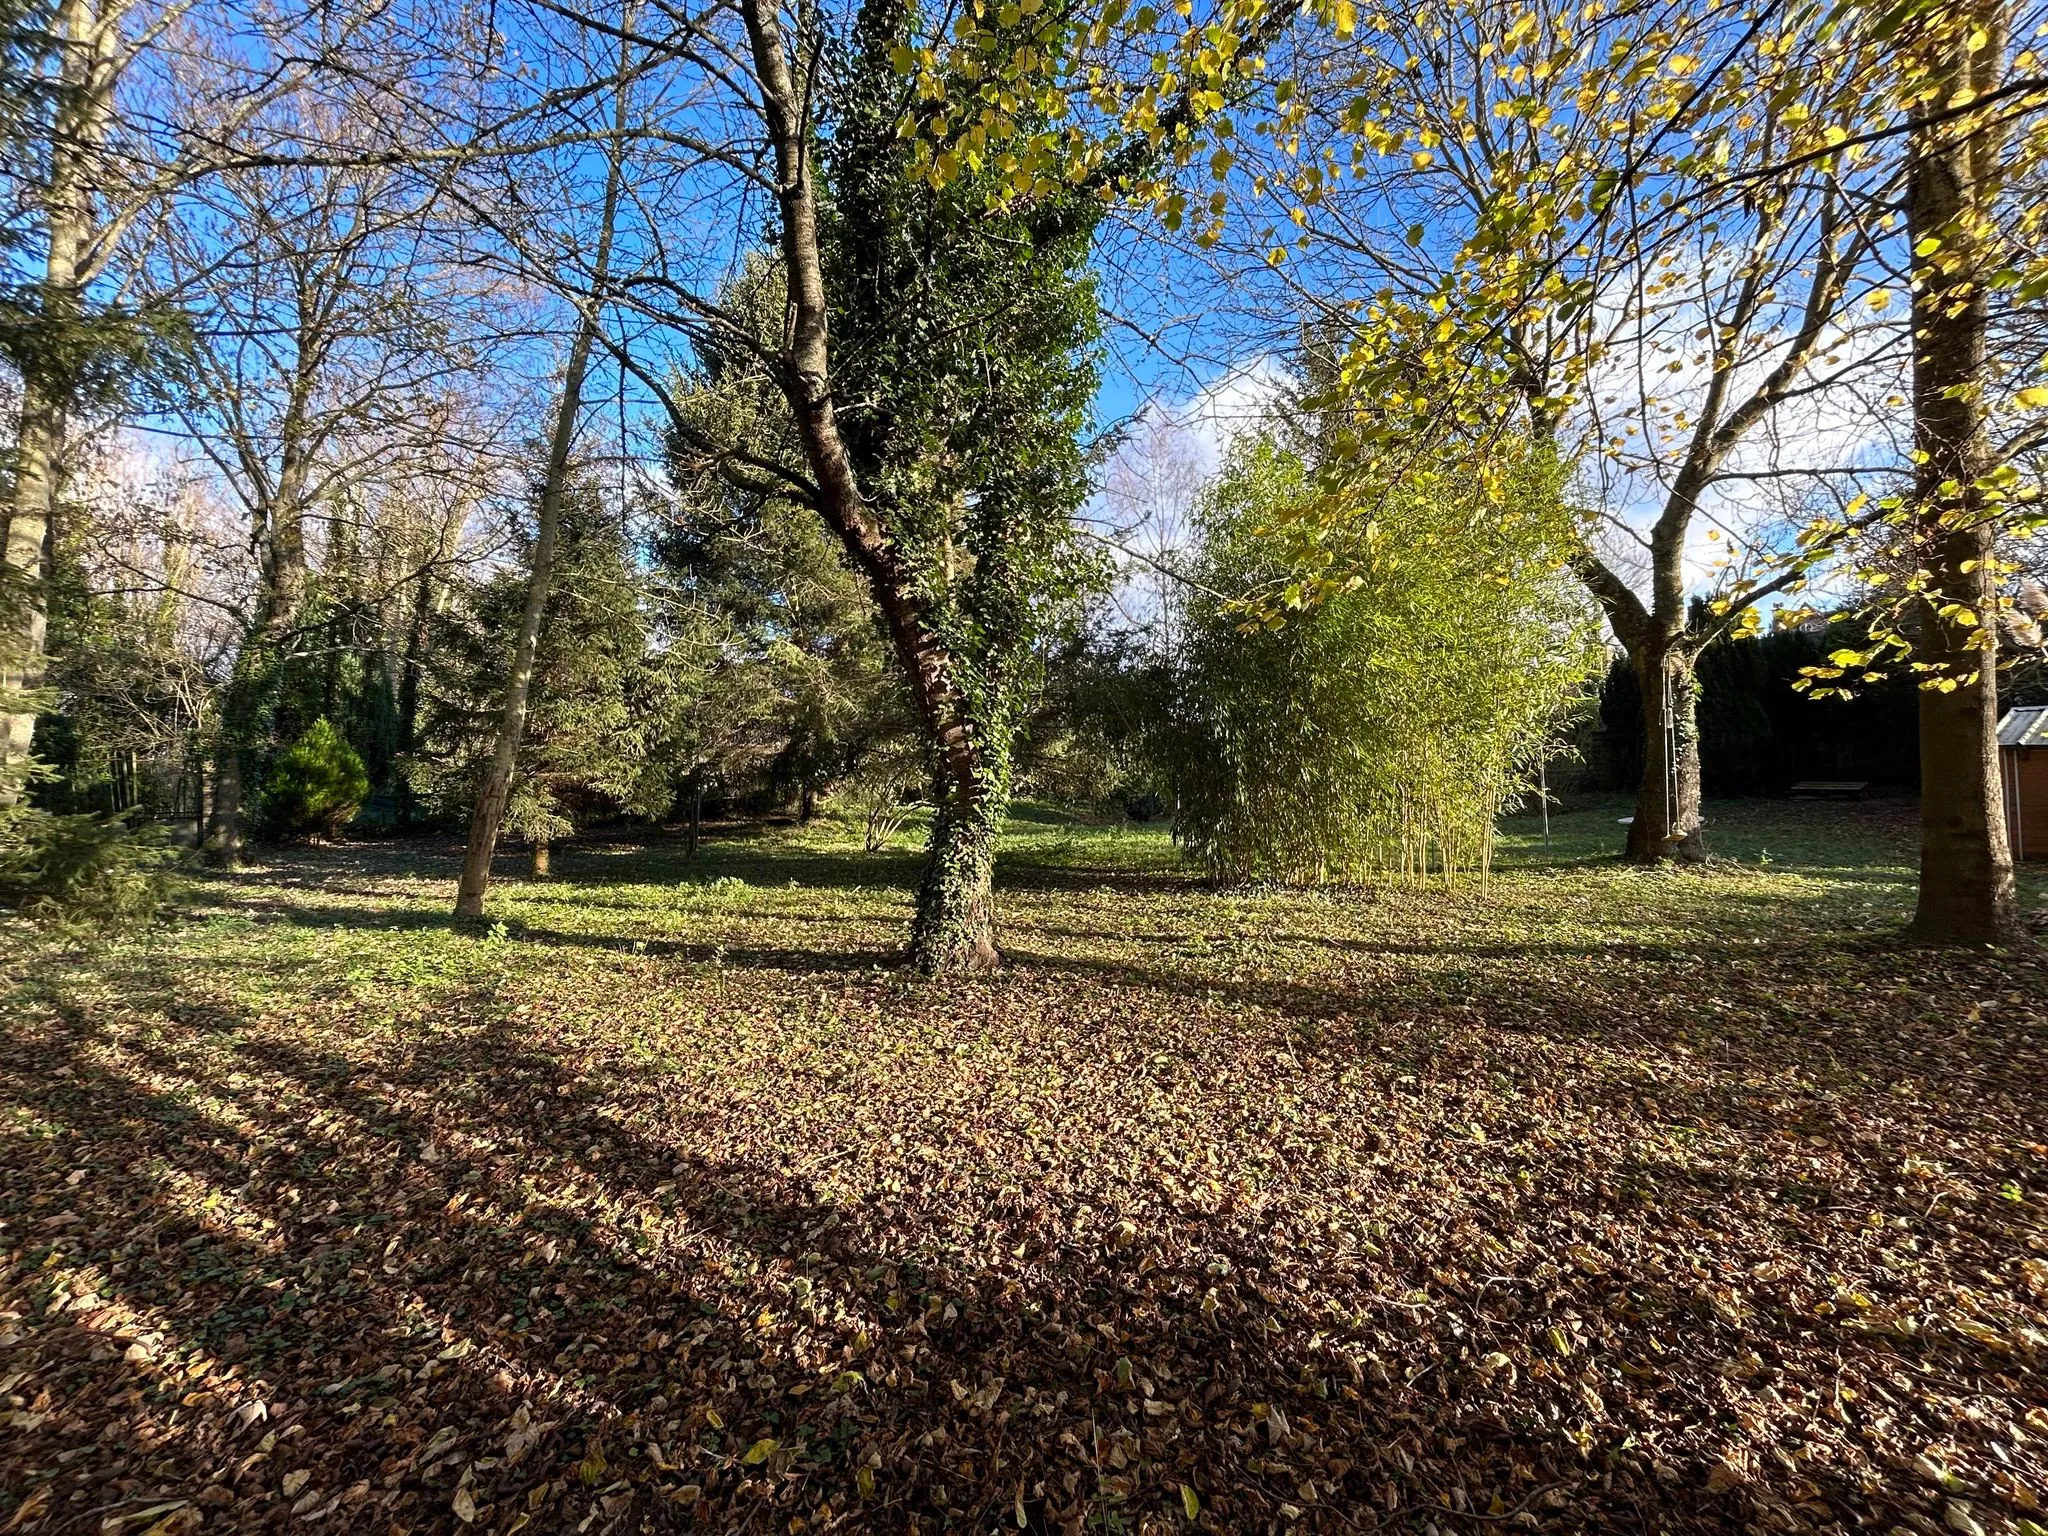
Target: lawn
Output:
[{"x": 1584, "y": 1198}]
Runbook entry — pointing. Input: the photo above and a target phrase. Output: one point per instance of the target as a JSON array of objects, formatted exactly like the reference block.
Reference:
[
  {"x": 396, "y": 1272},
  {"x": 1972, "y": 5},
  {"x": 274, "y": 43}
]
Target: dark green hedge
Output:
[{"x": 1759, "y": 734}]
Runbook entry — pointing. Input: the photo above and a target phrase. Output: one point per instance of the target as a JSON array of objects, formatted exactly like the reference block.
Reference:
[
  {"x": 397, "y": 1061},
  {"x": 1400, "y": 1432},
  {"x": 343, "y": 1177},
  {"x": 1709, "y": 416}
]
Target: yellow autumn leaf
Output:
[{"x": 758, "y": 1452}]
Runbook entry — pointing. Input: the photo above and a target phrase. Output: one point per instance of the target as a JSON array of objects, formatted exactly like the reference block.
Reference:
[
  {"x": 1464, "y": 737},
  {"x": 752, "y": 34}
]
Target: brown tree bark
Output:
[
  {"x": 954, "y": 929},
  {"x": 280, "y": 536},
  {"x": 1660, "y": 638},
  {"x": 410, "y": 665},
  {"x": 488, "y": 819},
  {"x": 1966, "y": 894},
  {"x": 1667, "y": 820}
]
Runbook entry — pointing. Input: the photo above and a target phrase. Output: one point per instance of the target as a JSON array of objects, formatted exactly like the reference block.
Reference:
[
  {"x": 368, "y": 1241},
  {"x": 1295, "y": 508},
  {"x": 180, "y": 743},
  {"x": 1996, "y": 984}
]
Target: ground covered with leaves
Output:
[{"x": 1587, "y": 1199}]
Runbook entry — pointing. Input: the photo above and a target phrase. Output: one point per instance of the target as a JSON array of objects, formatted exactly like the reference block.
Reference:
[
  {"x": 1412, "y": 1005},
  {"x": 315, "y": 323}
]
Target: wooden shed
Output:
[{"x": 2023, "y": 765}]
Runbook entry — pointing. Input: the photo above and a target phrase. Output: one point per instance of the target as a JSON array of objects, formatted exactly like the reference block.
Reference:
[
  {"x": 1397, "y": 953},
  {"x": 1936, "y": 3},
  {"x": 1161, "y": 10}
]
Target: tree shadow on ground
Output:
[
  {"x": 466, "y": 1266},
  {"x": 462, "y": 1272}
]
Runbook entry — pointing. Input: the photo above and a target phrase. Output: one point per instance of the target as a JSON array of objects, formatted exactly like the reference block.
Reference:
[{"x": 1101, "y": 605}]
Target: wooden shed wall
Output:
[{"x": 2026, "y": 793}]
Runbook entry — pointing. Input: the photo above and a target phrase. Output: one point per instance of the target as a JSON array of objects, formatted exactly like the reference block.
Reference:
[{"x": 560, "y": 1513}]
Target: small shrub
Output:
[
  {"x": 86, "y": 872},
  {"x": 316, "y": 785},
  {"x": 879, "y": 796}
]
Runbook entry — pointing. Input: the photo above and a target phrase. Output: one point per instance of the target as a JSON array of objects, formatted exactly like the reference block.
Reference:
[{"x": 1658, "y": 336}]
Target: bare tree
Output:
[
  {"x": 108, "y": 150},
  {"x": 330, "y": 336},
  {"x": 1502, "y": 264},
  {"x": 1751, "y": 322},
  {"x": 496, "y": 787}
]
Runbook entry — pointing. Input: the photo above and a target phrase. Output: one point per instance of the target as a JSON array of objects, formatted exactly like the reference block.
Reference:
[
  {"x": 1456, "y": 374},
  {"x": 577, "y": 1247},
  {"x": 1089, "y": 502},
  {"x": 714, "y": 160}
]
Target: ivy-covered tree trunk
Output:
[
  {"x": 954, "y": 930},
  {"x": 948, "y": 466},
  {"x": 1667, "y": 820},
  {"x": 1966, "y": 877}
]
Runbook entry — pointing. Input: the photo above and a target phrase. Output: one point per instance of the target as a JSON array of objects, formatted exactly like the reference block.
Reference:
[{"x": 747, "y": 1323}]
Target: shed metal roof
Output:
[{"x": 2024, "y": 726}]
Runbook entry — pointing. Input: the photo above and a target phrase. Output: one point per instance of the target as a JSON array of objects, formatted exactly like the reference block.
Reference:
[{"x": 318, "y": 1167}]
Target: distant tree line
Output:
[{"x": 352, "y": 287}]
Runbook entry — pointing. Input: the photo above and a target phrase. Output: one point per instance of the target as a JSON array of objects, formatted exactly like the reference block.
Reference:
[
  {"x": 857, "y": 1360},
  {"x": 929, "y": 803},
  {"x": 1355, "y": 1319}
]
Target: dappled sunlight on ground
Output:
[{"x": 1580, "y": 1198}]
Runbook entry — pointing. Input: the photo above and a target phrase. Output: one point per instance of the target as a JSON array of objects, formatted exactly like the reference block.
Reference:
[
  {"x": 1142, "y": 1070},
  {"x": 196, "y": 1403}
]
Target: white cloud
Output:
[
  {"x": 1145, "y": 507},
  {"x": 1808, "y": 454}
]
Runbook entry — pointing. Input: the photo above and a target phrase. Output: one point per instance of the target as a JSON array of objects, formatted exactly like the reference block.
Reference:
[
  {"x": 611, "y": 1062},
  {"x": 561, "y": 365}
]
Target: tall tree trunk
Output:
[
  {"x": 88, "y": 42},
  {"x": 430, "y": 600},
  {"x": 542, "y": 865},
  {"x": 1966, "y": 877},
  {"x": 488, "y": 819},
  {"x": 954, "y": 927},
  {"x": 1663, "y": 639},
  {"x": 244, "y": 716},
  {"x": 25, "y": 604},
  {"x": 1667, "y": 820},
  {"x": 409, "y": 668},
  {"x": 221, "y": 838},
  {"x": 241, "y": 724}
]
